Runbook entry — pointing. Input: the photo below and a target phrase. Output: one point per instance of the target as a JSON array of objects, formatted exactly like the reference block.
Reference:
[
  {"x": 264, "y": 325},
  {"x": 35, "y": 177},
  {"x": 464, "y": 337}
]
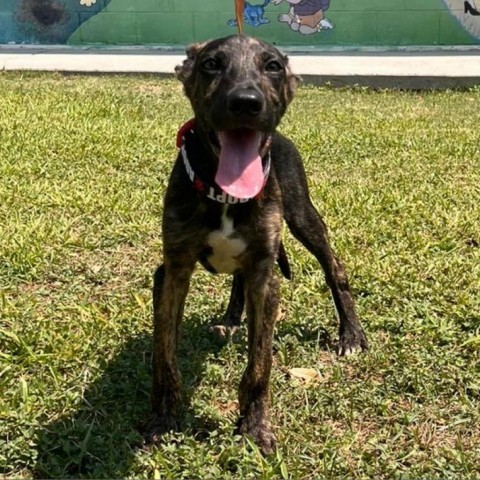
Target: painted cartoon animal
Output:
[
  {"x": 306, "y": 16},
  {"x": 472, "y": 10},
  {"x": 254, "y": 15},
  {"x": 44, "y": 21},
  {"x": 467, "y": 12}
]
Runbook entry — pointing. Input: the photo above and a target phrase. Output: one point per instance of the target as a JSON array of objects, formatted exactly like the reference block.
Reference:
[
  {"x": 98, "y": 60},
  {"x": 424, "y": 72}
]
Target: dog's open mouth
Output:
[{"x": 240, "y": 169}]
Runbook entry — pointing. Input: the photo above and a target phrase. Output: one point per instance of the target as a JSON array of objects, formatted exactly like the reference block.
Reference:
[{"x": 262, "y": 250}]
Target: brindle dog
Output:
[{"x": 234, "y": 181}]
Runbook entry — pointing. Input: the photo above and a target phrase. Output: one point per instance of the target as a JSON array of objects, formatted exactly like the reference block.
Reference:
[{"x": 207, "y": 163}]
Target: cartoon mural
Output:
[
  {"x": 309, "y": 16},
  {"x": 44, "y": 21},
  {"x": 340, "y": 23},
  {"x": 253, "y": 15},
  {"x": 467, "y": 13},
  {"x": 306, "y": 16}
]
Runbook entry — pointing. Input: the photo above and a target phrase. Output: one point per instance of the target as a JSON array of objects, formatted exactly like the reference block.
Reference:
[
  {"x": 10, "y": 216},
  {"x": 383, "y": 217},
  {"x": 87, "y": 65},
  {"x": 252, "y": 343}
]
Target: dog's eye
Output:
[
  {"x": 273, "y": 66},
  {"x": 210, "y": 65}
]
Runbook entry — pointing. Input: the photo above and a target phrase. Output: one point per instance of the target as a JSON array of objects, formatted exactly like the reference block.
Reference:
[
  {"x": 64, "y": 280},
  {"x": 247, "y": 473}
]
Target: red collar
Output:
[{"x": 187, "y": 127}]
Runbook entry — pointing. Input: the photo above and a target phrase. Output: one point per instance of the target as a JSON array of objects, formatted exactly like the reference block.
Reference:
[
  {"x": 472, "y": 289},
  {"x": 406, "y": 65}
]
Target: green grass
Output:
[{"x": 84, "y": 162}]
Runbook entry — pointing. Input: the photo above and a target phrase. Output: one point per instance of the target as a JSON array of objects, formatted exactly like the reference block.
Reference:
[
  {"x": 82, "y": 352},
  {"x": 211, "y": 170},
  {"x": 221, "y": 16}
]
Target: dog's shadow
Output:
[{"x": 101, "y": 438}]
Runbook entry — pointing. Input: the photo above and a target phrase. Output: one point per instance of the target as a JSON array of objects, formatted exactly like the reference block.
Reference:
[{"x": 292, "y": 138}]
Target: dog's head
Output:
[{"x": 239, "y": 88}]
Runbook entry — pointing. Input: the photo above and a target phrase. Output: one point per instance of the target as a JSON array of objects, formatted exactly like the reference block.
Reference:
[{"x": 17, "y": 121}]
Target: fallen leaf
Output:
[
  {"x": 226, "y": 408},
  {"x": 306, "y": 375}
]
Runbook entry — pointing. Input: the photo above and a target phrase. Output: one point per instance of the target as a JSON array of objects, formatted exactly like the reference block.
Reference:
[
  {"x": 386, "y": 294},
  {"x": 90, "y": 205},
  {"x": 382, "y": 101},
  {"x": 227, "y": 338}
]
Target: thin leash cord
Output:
[{"x": 239, "y": 6}]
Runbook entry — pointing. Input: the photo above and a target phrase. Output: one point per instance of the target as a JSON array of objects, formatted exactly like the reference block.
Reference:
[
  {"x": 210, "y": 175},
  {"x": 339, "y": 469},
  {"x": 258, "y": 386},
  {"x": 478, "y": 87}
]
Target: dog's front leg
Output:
[
  {"x": 311, "y": 230},
  {"x": 262, "y": 308},
  {"x": 169, "y": 292}
]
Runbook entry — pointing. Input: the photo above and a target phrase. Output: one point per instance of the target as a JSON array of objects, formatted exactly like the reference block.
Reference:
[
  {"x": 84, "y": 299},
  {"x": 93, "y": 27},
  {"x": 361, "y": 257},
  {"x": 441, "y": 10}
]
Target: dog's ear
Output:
[
  {"x": 291, "y": 84},
  {"x": 184, "y": 71}
]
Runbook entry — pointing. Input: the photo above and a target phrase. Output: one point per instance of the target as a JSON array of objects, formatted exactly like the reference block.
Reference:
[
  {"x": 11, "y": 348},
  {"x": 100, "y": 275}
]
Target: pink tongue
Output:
[{"x": 240, "y": 171}]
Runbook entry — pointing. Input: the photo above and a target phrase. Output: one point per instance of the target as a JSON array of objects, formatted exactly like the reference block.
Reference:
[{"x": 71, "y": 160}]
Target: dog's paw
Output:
[
  {"x": 224, "y": 331},
  {"x": 156, "y": 426},
  {"x": 352, "y": 341},
  {"x": 261, "y": 433}
]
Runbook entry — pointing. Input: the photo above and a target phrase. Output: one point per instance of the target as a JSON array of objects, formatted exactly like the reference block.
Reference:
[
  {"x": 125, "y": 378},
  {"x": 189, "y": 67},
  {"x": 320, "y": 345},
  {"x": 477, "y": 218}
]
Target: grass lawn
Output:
[{"x": 84, "y": 163}]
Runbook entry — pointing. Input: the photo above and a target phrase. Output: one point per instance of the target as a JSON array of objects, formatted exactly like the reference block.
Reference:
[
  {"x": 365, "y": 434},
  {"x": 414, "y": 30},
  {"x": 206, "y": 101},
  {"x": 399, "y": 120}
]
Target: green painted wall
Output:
[
  {"x": 332, "y": 23},
  {"x": 356, "y": 23}
]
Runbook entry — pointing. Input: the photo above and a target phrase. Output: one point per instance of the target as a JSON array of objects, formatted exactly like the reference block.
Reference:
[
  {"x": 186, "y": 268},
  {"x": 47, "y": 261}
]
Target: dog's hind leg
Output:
[
  {"x": 232, "y": 317},
  {"x": 262, "y": 308},
  {"x": 169, "y": 293},
  {"x": 234, "y": 312}
]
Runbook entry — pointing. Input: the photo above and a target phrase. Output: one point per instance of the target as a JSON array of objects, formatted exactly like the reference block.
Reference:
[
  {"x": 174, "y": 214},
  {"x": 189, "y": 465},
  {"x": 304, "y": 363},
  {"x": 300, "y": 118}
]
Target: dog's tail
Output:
[
  {"x": 282, "y": 260},
  {"x": 265, "y": 3}
]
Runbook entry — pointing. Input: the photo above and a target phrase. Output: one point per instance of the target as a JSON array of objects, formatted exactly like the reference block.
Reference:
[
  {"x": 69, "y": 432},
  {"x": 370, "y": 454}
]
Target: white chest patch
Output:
[{"x": 226, "y": 246}]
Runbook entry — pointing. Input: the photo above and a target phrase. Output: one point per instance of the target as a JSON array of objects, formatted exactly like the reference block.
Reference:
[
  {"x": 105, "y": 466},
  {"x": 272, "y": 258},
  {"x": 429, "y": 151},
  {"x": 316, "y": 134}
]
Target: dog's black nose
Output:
[{"x": 245, "y": 101}]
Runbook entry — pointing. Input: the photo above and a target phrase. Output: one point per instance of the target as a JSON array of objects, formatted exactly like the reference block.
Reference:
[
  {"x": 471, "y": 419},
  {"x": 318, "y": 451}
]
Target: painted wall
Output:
[{"x": 284, "y": 22}]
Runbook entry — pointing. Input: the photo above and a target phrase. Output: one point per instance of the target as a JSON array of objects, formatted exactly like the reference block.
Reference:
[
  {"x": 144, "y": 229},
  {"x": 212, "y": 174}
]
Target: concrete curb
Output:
[{"x": 424, "y": 69}]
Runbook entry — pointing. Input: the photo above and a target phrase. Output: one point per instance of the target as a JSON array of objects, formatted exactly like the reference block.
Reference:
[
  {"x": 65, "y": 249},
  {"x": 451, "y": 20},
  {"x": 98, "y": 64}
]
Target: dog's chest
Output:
[{"x": 226, "y": 244}]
